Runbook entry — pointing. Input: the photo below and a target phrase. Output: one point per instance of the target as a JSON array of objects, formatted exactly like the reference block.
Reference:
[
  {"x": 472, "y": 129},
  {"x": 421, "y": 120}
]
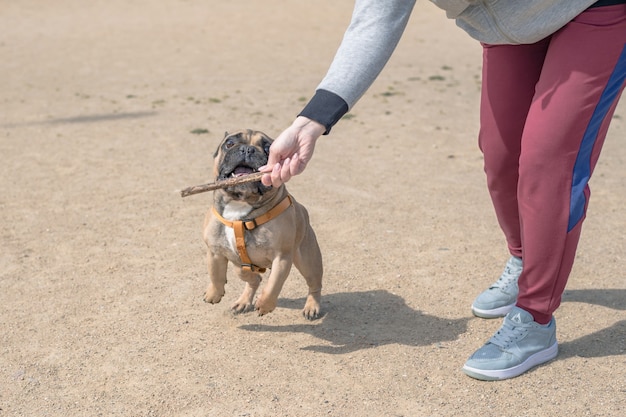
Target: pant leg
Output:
[
  {"x": 509, "y": 76},
  {"x": 582, "y": 78}
]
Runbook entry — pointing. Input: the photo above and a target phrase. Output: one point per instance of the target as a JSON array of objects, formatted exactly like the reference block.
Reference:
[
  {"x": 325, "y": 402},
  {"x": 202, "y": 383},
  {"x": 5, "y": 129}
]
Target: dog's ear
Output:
[{"x": 218, "y": 147}]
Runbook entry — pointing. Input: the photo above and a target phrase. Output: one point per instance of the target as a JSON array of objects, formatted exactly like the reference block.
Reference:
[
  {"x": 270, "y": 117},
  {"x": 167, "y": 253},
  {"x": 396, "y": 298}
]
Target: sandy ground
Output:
[{"x": 109, "y": 108}]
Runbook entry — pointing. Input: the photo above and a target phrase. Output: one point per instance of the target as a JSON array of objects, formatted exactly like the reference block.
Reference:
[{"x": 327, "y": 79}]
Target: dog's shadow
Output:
[
  {"x": 360, "y": 320},
  {"x": 604, "y": 342}
]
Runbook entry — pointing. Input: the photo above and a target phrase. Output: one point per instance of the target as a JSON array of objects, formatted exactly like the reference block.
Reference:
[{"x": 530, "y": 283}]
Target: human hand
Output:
[{"x": 291, "y": 151}]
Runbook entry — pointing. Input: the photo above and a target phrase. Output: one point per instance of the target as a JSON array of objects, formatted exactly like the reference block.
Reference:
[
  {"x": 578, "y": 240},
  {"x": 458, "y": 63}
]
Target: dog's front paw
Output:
[
  {"x": 312, "y": 308},
  {"x": 241, "y": 307},
  {"x": 212, "y": 295}
]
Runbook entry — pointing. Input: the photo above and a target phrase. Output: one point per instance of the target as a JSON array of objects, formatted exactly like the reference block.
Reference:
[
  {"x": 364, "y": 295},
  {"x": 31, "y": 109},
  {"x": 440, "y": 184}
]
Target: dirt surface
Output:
[{"x": 109, "y": 108}]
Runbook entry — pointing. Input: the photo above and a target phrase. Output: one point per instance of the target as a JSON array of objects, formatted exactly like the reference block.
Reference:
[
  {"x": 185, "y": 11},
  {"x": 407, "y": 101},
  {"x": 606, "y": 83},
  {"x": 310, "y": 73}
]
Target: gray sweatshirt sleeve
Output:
[
  {"x": 369, "y": 41},
  {"x": 371, "y": 37}
]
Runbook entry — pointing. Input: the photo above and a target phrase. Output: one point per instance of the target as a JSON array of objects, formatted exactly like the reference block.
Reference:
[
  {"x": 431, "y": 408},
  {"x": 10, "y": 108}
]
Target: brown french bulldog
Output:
[{"x": 257, "y": 228}]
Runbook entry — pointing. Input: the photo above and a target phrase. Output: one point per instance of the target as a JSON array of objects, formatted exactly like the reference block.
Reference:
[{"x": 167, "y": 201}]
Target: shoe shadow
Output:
[
  {"x": 605, "y": 342},
  {"x": 613, "y": 298},
  {"x": 362, "y": 320}
]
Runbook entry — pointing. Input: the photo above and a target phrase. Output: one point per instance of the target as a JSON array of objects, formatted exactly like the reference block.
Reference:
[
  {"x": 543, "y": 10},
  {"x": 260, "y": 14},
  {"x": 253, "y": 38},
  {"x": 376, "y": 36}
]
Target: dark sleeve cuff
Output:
[{"x": 325, "y": 108}]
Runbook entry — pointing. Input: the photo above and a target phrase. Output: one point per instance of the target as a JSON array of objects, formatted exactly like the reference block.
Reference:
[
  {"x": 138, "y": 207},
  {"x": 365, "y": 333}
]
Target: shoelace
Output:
[
  {"x": 507, "y": 278},
  {"x": 508, "y": 334}
]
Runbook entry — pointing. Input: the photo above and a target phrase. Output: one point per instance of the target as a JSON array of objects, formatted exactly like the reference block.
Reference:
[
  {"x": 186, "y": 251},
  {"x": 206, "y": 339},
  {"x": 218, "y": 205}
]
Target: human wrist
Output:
[
  {"x": 326, "y": 108},
  {"x": 309, "y": 126}
]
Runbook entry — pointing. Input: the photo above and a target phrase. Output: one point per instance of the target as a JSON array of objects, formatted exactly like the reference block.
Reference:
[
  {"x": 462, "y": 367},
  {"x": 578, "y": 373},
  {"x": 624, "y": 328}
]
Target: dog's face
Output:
[{"x": 241, "y": 153}]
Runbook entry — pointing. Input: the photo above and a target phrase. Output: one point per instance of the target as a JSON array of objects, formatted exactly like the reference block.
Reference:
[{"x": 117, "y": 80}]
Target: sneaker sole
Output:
[
  {"x": 498, "y": 374},
  {"x": 493, "y": 313}
]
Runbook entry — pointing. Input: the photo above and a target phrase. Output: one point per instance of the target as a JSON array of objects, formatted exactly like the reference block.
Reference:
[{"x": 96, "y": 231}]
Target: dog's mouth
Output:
[{"x": 241, "y": 170}]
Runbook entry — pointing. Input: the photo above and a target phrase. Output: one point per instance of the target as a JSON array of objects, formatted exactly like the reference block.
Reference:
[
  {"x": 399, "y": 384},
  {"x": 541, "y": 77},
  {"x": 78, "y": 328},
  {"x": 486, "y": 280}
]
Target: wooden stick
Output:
[{"x": 242, "y": 179}]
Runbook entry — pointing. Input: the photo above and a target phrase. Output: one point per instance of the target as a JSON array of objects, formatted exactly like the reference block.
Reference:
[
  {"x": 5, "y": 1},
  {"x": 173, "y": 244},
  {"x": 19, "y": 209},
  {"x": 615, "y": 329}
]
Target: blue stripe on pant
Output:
[{"x": 582, "y": 167}]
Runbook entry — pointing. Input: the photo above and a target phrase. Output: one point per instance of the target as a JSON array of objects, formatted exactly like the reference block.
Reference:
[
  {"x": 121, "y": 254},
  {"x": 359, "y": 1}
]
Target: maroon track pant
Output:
[{"x": 545, "y": 110}]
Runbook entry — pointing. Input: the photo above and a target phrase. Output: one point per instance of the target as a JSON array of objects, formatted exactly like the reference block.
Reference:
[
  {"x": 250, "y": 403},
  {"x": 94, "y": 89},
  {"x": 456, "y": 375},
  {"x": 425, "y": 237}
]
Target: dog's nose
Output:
[{"x": 248, "y": 150}]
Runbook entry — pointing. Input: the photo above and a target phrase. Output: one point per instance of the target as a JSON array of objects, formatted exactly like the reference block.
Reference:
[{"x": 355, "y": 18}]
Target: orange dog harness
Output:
[{"x": 240, "y": 226}]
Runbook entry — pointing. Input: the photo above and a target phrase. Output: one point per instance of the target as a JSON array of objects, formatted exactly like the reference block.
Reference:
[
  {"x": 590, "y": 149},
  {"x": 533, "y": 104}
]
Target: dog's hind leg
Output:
[{"x": 244, "y": 302}]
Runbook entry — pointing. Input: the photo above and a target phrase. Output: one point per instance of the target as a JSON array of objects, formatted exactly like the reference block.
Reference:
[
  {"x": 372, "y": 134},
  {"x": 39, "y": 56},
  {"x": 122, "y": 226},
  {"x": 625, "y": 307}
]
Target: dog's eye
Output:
[
  {"x": 229, "y": 144},
  {"x": 266, "y": 148}
]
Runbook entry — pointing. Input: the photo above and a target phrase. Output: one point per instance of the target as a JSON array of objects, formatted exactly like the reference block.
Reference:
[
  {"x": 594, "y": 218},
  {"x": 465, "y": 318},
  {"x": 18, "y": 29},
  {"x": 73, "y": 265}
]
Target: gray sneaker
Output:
[
  {"x": 499, "y": 299},
  {"x": 519, "y": 345}
]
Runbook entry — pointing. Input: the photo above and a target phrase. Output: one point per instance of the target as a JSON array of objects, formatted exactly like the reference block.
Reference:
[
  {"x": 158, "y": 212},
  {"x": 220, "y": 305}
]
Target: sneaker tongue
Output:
[{"x": 519, "y": 316}]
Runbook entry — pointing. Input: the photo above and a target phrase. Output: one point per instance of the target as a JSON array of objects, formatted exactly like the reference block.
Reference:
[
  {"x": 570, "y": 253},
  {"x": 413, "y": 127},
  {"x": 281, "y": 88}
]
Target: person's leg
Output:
[
  {"x": 508, "y": 71},
  {"x": 581, "y": 81},
  {"x": 509, "y": 76},
  {"x": 580, "y": 85}
]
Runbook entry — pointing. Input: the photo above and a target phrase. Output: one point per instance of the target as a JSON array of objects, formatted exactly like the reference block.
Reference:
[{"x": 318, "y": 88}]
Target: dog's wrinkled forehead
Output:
[{"x": 247, "y": 136}]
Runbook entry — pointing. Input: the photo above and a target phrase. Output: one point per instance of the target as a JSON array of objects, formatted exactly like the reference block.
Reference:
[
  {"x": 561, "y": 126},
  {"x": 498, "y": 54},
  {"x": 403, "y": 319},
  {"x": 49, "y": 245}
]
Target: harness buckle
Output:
[
  {"x": 252, "y": 268},
  {"x": 253, "y": 226}
]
